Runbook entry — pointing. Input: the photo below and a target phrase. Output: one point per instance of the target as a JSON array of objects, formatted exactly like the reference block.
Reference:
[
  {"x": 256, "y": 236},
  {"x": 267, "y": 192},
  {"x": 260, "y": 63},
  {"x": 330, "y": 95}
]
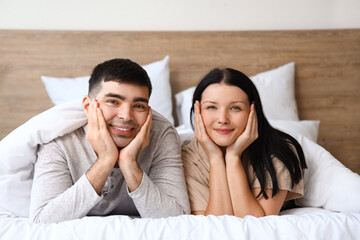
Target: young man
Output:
[{"x": 126, "y": 160}]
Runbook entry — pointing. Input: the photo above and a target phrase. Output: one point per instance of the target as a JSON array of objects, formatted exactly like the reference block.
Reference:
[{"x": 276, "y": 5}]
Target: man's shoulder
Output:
[
  {"x": 160, "y": 120},
  {"x": 163, "y": 129},
  {"x": 79, "y": 135}
]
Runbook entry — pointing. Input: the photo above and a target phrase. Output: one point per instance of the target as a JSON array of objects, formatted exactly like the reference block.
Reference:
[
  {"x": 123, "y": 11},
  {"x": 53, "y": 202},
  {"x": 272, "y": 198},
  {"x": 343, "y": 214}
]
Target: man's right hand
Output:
[
  {"x": 98, "y": 135},
  {"x": 101, "y": 141}
]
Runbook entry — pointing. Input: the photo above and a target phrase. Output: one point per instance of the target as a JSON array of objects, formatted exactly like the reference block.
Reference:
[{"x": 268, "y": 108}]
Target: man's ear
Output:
[{"x": 86, "y": 103}]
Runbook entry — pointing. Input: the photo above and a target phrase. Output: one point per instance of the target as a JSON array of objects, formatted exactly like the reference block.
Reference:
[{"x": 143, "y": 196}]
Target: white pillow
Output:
[
  {"x": 61, "y": 90},
  {"x": 327, "y": 182},
  {"x": 306, "y": 128},
  {"x": 183, "y": 101},
  {"x": 18, "y": 153},
  {"x": 276, "y": 90}
]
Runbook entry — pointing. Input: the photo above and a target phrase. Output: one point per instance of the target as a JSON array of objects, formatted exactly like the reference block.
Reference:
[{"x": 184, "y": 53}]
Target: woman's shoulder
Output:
[
  {"x": 193, "y": 152},
  {"x": 193, "y": 147}
]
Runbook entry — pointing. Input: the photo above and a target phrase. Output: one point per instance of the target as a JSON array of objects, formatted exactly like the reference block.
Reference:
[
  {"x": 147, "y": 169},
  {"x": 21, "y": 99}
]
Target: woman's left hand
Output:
[{"x": 249, "y": 135}]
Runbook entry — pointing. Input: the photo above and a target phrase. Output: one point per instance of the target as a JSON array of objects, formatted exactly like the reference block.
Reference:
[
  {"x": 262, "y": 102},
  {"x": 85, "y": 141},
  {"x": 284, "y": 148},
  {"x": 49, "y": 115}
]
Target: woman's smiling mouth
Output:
[{"x": 223, "y": 131}]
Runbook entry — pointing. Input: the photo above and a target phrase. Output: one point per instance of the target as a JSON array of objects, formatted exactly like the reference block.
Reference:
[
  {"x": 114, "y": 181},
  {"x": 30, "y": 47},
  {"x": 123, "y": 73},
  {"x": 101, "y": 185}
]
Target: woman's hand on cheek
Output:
[
  {"x": 211, "y": 149},
  {"x": 249, "y": 135}
]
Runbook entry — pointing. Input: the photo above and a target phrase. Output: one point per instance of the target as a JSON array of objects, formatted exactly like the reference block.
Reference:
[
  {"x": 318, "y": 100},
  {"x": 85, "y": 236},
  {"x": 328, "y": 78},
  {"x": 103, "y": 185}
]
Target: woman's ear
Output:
[{"x": 86, "y": 103}]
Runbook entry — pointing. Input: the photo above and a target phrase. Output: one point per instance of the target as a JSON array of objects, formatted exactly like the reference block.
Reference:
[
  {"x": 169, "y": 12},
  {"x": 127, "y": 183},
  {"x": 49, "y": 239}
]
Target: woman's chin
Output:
[{"x": 223, "y": 144}]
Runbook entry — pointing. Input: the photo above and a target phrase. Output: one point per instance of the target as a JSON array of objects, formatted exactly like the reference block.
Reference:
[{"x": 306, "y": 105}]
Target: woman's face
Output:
[{"x": 225, "y": 110}]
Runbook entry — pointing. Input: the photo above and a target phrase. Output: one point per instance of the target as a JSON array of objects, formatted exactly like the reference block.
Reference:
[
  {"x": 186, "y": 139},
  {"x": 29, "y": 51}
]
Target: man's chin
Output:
[{"x": 123, "y": 142}]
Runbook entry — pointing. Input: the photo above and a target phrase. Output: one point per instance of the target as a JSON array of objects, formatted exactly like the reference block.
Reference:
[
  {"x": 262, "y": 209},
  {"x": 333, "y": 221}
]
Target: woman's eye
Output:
[
  {"x": 211, "y": 107},
  {"x": 236, "y": 108}
]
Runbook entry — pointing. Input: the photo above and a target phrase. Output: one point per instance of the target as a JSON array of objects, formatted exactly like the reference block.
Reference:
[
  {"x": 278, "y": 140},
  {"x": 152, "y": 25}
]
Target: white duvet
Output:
[
  {"x": 330, "y": 206},
  {"x": 304, "y": 223}
]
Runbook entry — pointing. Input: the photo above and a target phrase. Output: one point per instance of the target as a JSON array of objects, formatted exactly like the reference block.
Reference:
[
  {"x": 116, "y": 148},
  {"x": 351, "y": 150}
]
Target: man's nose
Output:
[{"x": 124, "y": 112}]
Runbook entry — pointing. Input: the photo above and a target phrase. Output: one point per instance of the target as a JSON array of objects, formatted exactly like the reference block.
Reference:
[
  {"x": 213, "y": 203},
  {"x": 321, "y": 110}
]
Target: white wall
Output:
[{"x": 179, "y": 14}]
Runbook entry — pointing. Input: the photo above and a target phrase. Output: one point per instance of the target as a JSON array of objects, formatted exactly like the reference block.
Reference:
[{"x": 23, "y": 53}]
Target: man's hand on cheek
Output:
[
  {"x": 98, "y": 135},
  {"x": 129, "y": 154}
]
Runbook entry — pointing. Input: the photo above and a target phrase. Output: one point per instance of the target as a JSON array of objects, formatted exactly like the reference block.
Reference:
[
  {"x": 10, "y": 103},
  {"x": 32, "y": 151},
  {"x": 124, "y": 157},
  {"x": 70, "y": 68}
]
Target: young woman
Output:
[{"x": 238, "y": 164}]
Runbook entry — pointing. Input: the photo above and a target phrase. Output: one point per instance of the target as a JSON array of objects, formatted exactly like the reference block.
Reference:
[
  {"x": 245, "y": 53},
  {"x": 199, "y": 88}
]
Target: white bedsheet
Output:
[{"x": 303, "y": 223}]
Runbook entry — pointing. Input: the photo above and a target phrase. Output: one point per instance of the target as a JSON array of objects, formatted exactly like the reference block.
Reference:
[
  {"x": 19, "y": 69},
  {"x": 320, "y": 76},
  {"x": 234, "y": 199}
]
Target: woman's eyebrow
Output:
[
  {"x": 209, "y": 101},
  {"x": 213, "y": 102},
  {"x": 242, "y": 102}
]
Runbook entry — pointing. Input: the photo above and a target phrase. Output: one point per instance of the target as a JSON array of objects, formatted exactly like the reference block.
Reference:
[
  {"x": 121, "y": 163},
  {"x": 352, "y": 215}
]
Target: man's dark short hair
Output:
[{"x": 118, "y": 70}]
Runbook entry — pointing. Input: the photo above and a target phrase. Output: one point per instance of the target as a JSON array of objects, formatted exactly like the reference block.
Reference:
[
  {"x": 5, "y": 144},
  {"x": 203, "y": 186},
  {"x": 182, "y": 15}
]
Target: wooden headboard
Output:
[{"x": 327, "y": 69}]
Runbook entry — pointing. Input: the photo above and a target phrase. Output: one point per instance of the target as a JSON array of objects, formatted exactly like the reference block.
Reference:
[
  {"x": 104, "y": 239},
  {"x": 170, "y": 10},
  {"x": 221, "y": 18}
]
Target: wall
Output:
[{"x": 179, "y": 14}]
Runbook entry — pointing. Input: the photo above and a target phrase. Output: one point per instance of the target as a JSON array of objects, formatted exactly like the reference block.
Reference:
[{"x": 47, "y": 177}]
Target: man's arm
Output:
[
  {"x": 54, "y": 196},
  {"x": 128, "y": 155},
  {"x": 104, "y": 146},
  {"x": 163, "y": 192}
]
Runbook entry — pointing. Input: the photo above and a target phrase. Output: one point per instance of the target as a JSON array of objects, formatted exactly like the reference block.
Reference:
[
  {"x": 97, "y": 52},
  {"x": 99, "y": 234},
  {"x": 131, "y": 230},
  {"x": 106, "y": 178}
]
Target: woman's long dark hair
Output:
[{"x": 270, "y": 142}]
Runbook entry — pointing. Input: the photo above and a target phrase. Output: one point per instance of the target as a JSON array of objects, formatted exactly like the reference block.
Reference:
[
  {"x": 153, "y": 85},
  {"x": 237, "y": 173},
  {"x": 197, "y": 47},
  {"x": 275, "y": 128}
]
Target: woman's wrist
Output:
[
  {"x": 232, "y": 159},
  {"x": 214, "y": 160}
]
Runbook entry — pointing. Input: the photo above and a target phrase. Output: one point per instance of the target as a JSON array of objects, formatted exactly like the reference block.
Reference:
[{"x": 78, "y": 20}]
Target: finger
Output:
[
  {"x": 250, "y": 122},
  {"x": 253, "y": 128},
  {"x": 145, "y": 128},
  {"x": 197, "y": 117},
  {"x": 256, "y": 124},
  {"x": 197, "y": 107},
  {"x": 199, "y": 121},
  {"x": 148, "y": 123},
  {"x": 93, "y": 124},
  {"x": 100, "y": 119}
]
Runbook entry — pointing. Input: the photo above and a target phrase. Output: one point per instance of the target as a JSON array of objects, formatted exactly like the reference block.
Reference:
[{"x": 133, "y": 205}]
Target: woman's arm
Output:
[
  {"x": 244, "y": 201},
  {"x": 219, "y": 196}
]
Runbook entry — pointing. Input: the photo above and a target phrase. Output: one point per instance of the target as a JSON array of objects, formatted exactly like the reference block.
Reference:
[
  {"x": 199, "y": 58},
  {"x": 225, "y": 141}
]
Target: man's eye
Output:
[
  {"x": 140, "y": 106},
  {"x": 111, "y": 101}
]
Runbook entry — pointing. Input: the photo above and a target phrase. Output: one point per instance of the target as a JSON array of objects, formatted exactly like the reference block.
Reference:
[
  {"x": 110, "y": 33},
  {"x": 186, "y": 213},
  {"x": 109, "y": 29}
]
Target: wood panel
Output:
[{"x": 327, "y": 69}]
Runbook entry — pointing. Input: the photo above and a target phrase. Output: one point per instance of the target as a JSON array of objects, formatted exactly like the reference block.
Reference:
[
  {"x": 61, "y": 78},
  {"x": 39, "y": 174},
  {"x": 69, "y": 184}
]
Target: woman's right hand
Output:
[
  {"x": 245, "y": 139},
  {"x": 211, "y": 149}
]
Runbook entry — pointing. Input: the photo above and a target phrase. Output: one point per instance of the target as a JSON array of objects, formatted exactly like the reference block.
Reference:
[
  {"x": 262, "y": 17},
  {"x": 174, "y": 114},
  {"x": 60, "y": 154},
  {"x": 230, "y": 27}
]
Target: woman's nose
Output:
[{"x": 223, "y": 117}]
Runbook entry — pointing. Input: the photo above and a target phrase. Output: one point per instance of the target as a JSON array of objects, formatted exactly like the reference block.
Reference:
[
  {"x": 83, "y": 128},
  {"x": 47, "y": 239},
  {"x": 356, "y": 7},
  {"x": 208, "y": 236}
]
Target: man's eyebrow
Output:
[
  {"x": 113, "y": 95},
  {"x": 140, "y": 99}
]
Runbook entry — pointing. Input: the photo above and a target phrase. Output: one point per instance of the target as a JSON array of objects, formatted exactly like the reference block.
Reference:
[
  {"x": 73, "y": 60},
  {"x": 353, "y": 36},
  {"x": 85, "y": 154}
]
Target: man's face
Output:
[{"x": 125, "y": 109}]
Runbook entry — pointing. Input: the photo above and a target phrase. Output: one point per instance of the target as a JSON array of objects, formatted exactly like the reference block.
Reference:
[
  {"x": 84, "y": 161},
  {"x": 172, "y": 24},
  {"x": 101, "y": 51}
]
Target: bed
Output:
[{"x": 309, "y": 81}]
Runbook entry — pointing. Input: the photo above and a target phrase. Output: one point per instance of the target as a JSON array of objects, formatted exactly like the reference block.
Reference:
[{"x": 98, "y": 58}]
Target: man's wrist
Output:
[
  {"x": 132, "y": 173},
  {"x": 99, "y": 172}
]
